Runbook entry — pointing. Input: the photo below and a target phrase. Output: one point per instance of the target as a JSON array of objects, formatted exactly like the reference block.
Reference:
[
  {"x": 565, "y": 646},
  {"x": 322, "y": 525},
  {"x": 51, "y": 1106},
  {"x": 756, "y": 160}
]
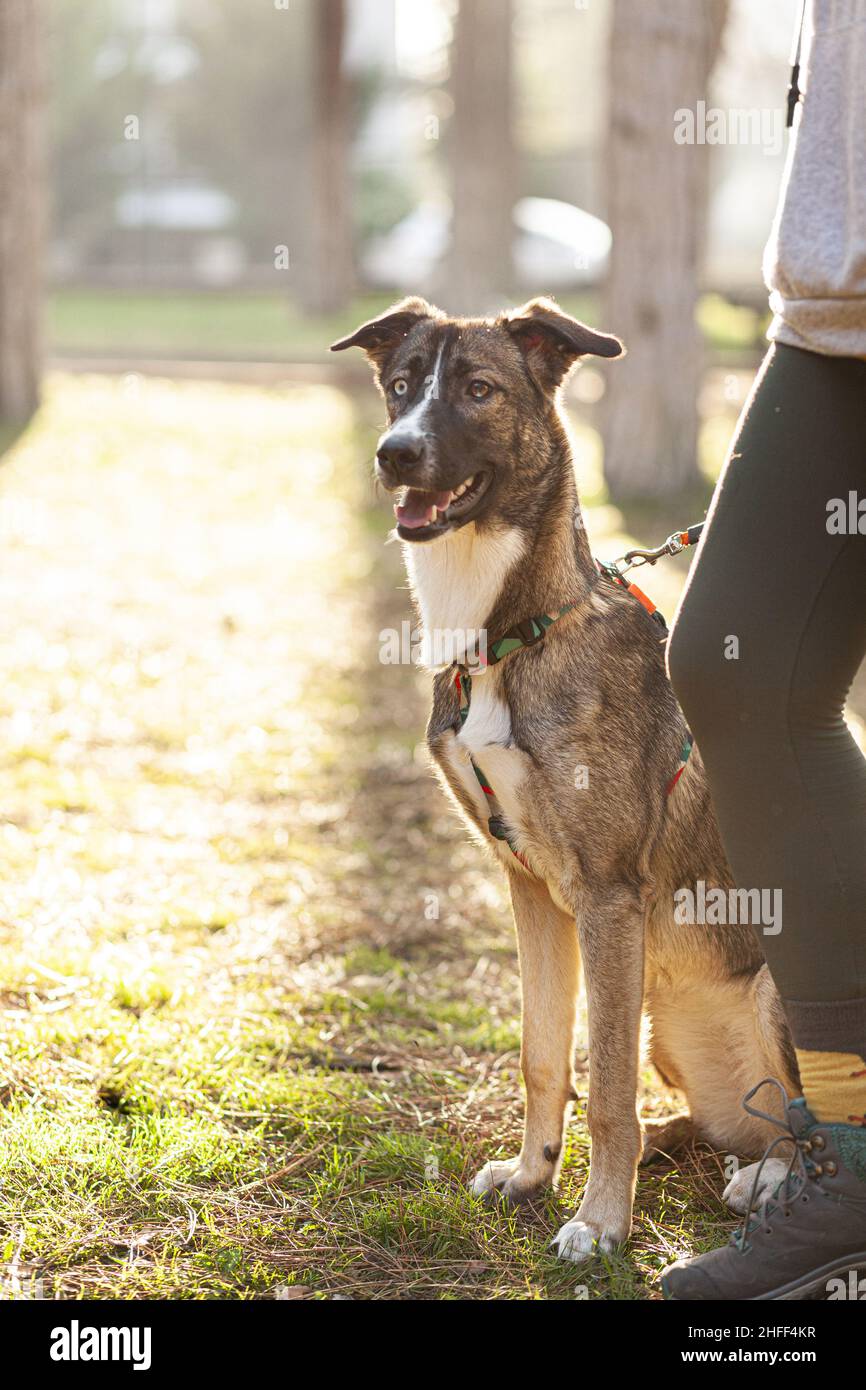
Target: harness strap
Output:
[
  {"x": 524, "y": 634},
  {"x": 688, "y": 744},
  {"x": 533, "y": 630},
  {"x": 608, "y": 569},
  {"x": 496, "y": 822}
]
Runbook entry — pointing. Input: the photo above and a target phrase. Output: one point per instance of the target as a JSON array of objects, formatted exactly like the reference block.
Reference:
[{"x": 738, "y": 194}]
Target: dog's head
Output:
[{"x": 470, "y": 403}]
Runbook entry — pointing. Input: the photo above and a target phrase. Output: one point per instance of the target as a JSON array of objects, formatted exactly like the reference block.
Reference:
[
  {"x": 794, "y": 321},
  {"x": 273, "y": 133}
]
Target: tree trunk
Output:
[
  {"x": 21, "y": 209},
  {"x": 661, "y": 56},
  {"x": 479, "y": 271},
  {"x": 327, "y": 284}
]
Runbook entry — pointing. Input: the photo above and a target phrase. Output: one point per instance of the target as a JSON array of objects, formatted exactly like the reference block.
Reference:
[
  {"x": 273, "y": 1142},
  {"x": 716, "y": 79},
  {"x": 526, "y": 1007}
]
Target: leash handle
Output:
[{"x": 681, "y": 539}]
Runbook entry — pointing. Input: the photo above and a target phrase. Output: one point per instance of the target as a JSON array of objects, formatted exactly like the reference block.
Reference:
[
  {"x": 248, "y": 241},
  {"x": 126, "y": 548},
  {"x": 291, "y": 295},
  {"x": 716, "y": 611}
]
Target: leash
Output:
[
  {"x": 533, "y": 630},
  {"x": 616, "y": 570},
  {"x": 794, "y": 93}
]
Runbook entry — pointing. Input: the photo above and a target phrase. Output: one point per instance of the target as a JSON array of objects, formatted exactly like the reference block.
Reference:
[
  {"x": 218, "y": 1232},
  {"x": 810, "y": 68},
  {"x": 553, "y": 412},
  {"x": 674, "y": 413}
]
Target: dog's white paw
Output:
[
  {"x": 739, "y": 1189},
  {"x": 578, "y": 1241},
  {"x": 494, "y": 1175},
  {"x": 510, "y": 1178}
]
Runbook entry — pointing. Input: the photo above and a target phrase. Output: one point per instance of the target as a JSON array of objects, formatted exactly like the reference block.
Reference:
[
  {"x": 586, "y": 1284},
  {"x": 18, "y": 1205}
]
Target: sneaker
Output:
[{"x": 812, "y": 1229}]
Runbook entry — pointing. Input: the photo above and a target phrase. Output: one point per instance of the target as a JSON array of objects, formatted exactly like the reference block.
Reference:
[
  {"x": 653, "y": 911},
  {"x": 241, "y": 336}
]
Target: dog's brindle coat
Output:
[{"x": 479, "y": 398}]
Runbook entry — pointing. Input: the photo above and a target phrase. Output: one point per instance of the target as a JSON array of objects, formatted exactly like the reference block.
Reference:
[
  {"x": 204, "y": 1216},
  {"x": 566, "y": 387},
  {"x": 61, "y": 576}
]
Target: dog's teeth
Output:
[{"x": 434, "y": 515}]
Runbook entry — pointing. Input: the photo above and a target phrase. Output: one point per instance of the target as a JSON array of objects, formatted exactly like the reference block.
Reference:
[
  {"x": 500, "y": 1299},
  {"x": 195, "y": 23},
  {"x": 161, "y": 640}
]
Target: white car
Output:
[{"x": 555, "y": 244}]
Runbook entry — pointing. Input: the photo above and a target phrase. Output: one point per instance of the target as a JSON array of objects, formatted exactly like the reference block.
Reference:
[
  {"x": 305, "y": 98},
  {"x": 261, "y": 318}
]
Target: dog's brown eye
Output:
[
  {"x": 479, "y": 389},
  {"x": 400, "y": 386}
]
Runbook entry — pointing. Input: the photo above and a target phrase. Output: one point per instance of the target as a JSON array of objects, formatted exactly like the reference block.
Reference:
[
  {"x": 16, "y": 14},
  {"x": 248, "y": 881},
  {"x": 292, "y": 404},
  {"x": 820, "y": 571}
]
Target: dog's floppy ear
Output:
[
  {"x": 551, "y": 341},
  {"x": 378, "y": 337}
]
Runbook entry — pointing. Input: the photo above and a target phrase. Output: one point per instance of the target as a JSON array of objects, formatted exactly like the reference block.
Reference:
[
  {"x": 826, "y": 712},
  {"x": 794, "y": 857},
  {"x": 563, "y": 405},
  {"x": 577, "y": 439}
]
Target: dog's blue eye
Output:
[
  {"x": 400, "y": 386},
  {"x": 479, "y": 389}
]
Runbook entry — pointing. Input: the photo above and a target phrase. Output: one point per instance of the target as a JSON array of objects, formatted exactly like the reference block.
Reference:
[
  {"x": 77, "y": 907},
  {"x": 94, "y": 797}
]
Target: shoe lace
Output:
[{"x": 800, "y": 1169}]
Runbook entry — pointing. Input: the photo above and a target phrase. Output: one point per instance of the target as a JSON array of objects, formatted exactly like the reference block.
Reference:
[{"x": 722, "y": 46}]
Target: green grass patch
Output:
[
  {"x": 238, "y": 1057},
  {"x": 244, "y": 325}
]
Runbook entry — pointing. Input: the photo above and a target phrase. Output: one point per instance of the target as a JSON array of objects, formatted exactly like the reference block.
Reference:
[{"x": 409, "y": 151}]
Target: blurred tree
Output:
[
  {"x": 243, "y": 123},
  {"x": 479, "y": 268},
  {"x": 661, "y": 57},
  {"x": 327, "y": 284},
  {"x": 21, "y": 208},
  {"x": 93, "y": 85},
  {"x": 227, "y": 96}
]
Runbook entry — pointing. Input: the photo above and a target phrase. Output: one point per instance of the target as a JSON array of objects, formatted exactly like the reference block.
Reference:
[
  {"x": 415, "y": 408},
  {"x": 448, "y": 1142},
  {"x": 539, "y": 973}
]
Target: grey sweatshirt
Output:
[{"x": 815, "y": 260}]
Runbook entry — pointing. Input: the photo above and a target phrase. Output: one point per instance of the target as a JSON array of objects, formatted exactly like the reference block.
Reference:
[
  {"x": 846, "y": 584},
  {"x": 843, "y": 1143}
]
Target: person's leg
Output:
[
  {"x": 767, "y": 642},
  {"x": 768, "y": 637}
]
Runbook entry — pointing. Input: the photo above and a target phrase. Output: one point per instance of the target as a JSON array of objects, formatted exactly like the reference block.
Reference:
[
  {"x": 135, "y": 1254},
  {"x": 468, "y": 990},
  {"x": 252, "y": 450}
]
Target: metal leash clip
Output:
[{"x": 633, "y": 559}]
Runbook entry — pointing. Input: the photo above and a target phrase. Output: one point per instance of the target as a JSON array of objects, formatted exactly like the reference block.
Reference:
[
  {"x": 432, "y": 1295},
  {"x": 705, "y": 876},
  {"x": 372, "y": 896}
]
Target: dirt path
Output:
[{"x": 258, "y": 1001}]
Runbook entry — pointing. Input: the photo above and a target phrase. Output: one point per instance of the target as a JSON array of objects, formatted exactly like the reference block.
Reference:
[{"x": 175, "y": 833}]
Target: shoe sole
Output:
[
  {"x": 813, "y": 1282},
  {"x": 796, "y": 1289}
]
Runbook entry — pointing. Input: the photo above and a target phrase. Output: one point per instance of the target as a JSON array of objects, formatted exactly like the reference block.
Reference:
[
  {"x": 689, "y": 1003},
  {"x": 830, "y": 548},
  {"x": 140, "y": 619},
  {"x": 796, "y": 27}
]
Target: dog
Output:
[{"x": 562, "y": 756}]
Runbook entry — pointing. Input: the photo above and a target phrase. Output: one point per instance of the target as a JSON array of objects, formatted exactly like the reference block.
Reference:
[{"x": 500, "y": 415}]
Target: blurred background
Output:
[
  {"x": 225, "y": 181},
  {"x": 258, "y": 998}
]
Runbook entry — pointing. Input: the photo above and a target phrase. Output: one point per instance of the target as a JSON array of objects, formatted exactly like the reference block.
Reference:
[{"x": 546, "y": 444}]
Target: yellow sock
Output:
[{"x": 834, "y": 1085}]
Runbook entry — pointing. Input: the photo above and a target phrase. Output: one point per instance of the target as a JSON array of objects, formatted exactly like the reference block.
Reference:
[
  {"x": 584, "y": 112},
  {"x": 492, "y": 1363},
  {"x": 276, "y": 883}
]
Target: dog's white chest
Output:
[{"x": 485, "y": 739}]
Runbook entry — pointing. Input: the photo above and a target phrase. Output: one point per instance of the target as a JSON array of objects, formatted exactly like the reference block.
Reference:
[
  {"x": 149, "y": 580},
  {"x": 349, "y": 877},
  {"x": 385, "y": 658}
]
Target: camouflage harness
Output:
[{"x": 533, "y": 630}]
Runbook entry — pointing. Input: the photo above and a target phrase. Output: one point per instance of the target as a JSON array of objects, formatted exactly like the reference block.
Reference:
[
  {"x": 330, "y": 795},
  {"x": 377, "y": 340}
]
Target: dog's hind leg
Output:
[
  {"x": 549, "y": 977},
  {"x": 611, "y": 931},
  {"x": 663, "y": 1138}
]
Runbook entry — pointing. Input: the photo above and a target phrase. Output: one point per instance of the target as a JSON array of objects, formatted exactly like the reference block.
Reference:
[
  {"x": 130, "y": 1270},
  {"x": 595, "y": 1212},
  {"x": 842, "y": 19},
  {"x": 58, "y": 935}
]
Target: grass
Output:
[
  {"x": 213, "y": 324},
  {"x": 244, "y": 325},
  {"x": 258, "y": 996}
]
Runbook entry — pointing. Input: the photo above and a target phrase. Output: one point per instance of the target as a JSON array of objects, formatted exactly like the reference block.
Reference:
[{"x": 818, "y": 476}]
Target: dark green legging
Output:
[{"x": 788, "y": 780}]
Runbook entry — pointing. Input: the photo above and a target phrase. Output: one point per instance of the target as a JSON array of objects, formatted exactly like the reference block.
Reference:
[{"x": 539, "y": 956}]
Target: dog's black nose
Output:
[{"x": 398, "y": 457}]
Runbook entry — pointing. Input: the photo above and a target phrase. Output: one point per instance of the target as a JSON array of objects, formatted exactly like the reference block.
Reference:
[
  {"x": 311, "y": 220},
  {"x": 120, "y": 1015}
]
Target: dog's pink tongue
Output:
[{"x": 416, "y": 509}]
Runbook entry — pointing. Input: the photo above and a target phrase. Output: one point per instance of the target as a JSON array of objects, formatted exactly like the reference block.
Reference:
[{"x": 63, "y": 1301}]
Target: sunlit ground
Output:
[{"x": 258, "y": 996}]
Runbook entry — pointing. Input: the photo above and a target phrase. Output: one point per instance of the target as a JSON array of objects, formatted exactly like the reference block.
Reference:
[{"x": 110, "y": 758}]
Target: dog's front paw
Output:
[
  {"x": 511, "y": 1179},
  {"x": 739, "y": 1189},
  {"x": 580, "y": 1240}
]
